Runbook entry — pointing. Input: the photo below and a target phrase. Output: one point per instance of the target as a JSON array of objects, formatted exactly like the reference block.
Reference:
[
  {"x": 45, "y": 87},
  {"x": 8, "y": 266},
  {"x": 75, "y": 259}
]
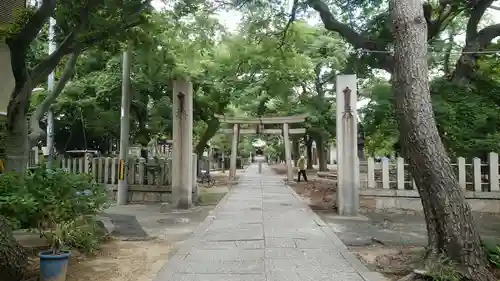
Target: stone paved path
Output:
[{"x": 262, "y": 231}]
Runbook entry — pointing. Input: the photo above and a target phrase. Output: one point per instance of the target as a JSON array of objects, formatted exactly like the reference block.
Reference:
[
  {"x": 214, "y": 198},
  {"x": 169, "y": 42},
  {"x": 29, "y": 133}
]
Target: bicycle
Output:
[{"x": 206, "y": 179}]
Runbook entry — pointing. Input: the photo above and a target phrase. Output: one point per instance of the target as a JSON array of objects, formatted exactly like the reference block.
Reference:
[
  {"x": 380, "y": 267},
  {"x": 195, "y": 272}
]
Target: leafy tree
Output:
[{"x": 79, "y": 25}]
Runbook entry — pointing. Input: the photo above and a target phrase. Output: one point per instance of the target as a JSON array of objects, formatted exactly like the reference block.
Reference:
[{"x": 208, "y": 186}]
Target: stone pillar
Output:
[
  {"x": 347, "y": 156},
  {"x": 182, "y": 164},
  {"x": 234, "y": 152},
  {"x": 288, "y": 152}
]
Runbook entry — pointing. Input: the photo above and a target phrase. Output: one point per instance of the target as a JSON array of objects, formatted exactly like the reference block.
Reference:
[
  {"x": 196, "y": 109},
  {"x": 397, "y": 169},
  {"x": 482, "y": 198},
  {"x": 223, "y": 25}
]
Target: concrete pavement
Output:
[{"x": 262, "y": 231}]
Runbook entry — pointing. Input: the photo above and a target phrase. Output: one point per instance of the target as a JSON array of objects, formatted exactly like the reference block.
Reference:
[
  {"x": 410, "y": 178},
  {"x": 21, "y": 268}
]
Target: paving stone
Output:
[
  {"x": 242, "y": 244},
  {"x": 219, "y": 277},
  {"x": 226, "y": 267},
  {"x": 263, "y": 232},
  {"x": 234, "y": 254}
]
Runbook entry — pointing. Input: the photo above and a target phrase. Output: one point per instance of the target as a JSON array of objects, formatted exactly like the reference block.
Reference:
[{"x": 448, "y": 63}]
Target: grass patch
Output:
[{"x": 209, "y": 198}]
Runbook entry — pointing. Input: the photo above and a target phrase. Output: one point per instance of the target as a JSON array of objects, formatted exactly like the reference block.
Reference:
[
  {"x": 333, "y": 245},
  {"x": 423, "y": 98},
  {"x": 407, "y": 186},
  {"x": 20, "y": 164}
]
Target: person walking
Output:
[{"x": 301, "y": 168}]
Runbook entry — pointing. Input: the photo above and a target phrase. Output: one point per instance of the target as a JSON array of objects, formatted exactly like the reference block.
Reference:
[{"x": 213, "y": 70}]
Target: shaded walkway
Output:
[{"x": 262, "y": 231}]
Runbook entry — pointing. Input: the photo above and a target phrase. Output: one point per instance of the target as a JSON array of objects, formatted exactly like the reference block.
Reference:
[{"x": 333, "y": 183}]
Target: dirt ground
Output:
[
  {"x": 121, "y": 261},
  {"x": 390, "y": 242}
]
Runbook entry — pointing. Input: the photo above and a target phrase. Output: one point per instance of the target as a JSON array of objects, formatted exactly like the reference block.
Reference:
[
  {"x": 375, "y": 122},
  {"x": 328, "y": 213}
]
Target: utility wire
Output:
[
  {"x": 459, "y": 53},
  {"x": 455, "y": 52}
]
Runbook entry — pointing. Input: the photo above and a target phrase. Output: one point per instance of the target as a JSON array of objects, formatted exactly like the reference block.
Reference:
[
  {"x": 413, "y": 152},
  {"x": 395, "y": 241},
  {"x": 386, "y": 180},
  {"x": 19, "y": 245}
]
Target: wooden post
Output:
[
  {"x": 476, "y": 162},
  {"x": 371, "y": 172},
  {"x": 114, "y": 166},
  {"x": 141, "y": 167},
  {"x": 400, "y": 172},
  {"x": 462, "y": 179},
  {"x": 385, "y": 173},
  {"x": 493, "y": 161}
]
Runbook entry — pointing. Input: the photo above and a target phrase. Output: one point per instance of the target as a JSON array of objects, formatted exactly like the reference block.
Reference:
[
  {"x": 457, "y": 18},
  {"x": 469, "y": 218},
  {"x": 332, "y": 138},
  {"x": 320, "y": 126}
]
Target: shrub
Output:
[
  {"x": 492, "y": 252},
  {"x": 16, "y": 204},
  {"x": 84, "y": 235},
  {"x": 57, "y": 203},
  {"x": 62, "y": 196}
]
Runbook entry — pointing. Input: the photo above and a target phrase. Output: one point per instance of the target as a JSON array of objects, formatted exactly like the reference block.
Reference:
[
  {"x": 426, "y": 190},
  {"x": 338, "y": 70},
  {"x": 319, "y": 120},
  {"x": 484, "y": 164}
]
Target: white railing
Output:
[
  {"x": 105, "y": 170},
  {"x": 473, "y": 174}
]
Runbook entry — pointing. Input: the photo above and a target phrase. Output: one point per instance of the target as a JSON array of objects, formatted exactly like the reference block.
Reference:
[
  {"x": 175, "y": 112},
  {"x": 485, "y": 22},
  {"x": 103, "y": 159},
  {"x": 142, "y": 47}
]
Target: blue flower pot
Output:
[{"x": 53, "y": 267}]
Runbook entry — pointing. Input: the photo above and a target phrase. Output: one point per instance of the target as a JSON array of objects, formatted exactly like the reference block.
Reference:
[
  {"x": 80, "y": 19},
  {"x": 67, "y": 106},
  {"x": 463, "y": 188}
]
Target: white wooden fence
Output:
[
  {"x": 105, "y": 169},
  {"x": 473, "y": 174}
]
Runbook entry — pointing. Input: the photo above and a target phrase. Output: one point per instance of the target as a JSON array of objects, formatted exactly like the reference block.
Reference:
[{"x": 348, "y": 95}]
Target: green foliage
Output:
[
  {"x": 57, "y": 203},
  {"x": 444, "y": 270},
  {"x": 492, "y": 251},
  {"x": 83, "y": 234},
  {"x": 467, "y": 118}
]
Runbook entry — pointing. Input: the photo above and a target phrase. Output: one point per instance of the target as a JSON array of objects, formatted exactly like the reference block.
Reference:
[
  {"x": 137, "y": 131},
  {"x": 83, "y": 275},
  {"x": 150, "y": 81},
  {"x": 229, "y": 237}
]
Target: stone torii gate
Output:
[{"x": 260, "y": 122}]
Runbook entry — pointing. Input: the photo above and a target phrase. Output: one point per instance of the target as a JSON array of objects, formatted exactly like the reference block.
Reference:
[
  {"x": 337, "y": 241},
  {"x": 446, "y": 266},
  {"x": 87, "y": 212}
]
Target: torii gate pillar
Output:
[{"x": 347, "y": 150}]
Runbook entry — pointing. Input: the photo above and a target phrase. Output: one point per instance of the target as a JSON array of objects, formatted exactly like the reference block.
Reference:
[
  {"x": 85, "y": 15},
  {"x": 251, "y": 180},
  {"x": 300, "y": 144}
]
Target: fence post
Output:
[
  {"x": 37, "y": 155},
  {"x": 114, "y": 166},
  {"x": 81, "y": 164},
  {"x": 493, "y": 159},
  {"x": 101, "y": 170},
  {"x": 106, "y": 170},
  {"x": 462, "y": 173},
  {"x": 150, "y": 174},
  {"x": 476, "y": 162},
  {"x": 142, "y": 162},
  {"x": 385, "y": 173},
  {"x": 400, "y": 173},
  {"x": 371, "y": 172},
  {"x": 94, "y": 169}
]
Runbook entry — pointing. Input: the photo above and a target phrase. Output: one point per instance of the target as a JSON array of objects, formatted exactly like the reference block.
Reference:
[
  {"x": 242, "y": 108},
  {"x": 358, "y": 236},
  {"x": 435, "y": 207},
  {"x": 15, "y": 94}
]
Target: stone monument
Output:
[
  {"x": 182, "y": 152},
  {"x": 347, "y": 146}
]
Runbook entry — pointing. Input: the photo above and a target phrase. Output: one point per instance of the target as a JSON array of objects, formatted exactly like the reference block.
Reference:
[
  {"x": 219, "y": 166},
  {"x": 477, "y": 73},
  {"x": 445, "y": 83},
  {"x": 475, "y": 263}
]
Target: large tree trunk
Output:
[
  {"x": 212, "y": 128},
  {"x": 17, "y": 123},
  {"x": 295, "y": 150},
  {"x": 450, "y": 225},
  {"x": 13, "y": 257},
  {"x": 309, "y": 153},
  {"x": 321, "y": 152}
]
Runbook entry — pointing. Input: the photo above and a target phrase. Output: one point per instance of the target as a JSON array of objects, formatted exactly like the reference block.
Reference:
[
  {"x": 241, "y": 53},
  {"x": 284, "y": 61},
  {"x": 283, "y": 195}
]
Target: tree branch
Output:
[
  {"x": 47, "y": 65},
  {"x": 293, "y": 15},
  {"x": 476, "y": 15},
  {"x": 330, "y": 23},
  {"x": 30, "y": 30},
  {"x": 466, "y": 64},
  {"x": 36, "y": 132},
  {"x": 382, "y": 60}
]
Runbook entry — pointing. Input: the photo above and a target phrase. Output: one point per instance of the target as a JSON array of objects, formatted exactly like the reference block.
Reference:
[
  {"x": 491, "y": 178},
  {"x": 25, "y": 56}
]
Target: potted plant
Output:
[{"x": 54, "y": 262}]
